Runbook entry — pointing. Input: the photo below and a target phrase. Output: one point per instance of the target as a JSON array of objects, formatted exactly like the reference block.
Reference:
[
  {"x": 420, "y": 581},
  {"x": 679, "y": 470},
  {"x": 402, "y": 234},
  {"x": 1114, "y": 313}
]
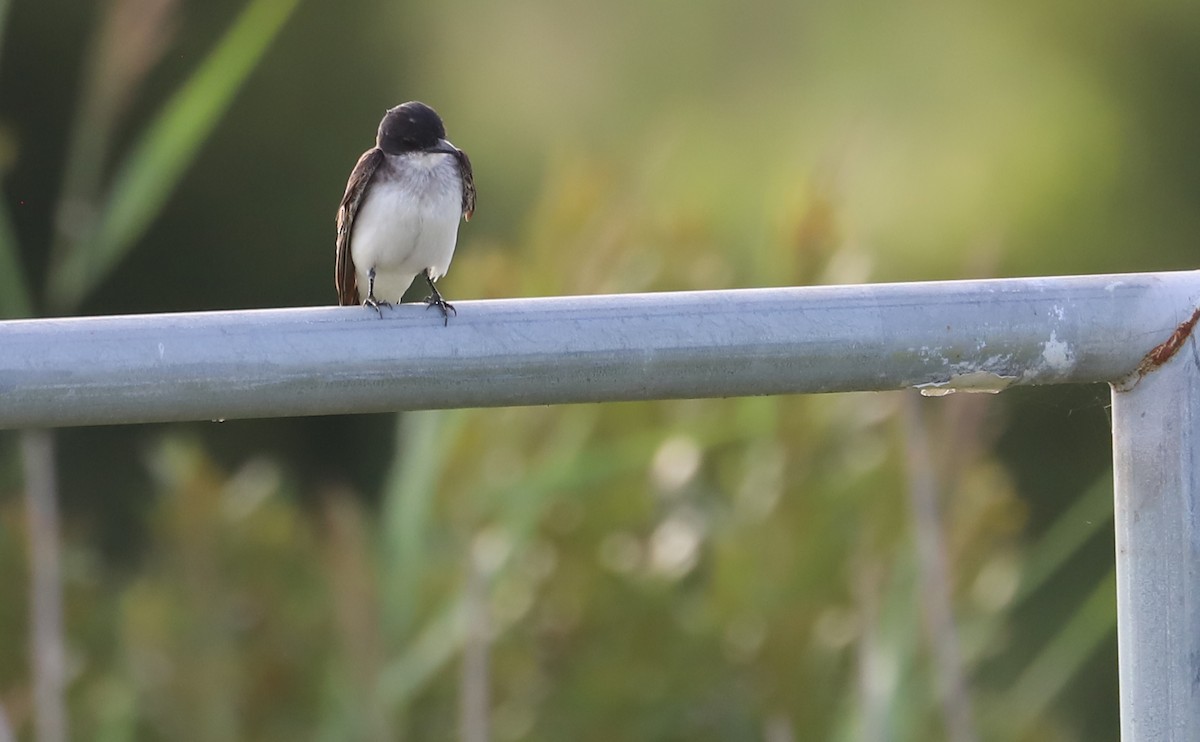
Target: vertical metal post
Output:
[{"x": 1156, "y": 452}]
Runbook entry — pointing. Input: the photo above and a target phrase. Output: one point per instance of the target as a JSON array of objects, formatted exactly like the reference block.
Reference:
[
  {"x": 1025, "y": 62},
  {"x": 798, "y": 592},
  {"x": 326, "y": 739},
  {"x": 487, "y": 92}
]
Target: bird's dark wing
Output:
[
  {"x": 468, "y": 181},
  {"x": 360, "y": 177}
]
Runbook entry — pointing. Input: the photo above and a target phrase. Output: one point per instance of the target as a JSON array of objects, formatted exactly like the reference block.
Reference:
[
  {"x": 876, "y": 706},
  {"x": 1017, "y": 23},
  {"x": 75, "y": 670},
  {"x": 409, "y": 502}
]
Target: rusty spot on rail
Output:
[{"x": 1162, "y": 352}]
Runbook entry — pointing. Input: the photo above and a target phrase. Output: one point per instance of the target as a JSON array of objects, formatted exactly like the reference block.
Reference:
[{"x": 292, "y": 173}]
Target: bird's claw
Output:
[
  {"x": 377, "y": 305},
  {"x": 436, "y": 300}
]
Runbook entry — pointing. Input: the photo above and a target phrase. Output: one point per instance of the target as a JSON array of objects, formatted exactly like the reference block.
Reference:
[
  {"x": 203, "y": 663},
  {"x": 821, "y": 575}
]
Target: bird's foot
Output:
[
  {"x": 435, "y": 300},
  {"x": 377, "y": 305}
]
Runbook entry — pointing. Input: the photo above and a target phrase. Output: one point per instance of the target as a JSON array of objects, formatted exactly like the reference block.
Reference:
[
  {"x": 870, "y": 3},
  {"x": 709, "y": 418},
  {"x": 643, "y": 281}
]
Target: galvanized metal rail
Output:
[
  {"x": 311, "y": 361},
  {"x": 1129, "y": 330}
]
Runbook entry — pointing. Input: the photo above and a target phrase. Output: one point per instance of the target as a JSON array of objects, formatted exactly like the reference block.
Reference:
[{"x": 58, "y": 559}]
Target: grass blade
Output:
[
  {"x": 1091, "y": 513},
  {"x": 4, "y": 6},
  {"x": 155, "y": 164},
  {"x": 424, "y": 439},
  {"x": 14, "y": 293},
  {"x": 1050, "y": 672}
]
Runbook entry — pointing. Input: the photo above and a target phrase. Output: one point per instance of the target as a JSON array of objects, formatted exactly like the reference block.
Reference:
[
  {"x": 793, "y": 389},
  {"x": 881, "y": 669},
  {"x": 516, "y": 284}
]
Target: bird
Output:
[{"x": 399, "y": 215}]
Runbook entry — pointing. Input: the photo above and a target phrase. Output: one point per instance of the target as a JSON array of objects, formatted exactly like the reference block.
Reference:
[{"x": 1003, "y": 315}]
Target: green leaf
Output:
[{"x": 156, "y": 163}]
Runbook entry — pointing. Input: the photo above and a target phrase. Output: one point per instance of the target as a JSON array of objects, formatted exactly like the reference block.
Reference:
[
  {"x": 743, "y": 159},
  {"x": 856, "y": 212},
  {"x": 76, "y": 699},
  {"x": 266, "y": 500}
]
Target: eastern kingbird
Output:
[{"x": 399, "y": 215}]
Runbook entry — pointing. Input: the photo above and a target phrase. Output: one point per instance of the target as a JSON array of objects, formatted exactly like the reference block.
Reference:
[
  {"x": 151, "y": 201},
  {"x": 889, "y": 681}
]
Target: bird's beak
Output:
[{"x": 444, "y": 145}]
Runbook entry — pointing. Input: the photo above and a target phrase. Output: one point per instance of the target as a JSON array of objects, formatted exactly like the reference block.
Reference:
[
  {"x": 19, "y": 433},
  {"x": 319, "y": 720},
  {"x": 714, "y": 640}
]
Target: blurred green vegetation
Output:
[{"x": 722, "y": 569}]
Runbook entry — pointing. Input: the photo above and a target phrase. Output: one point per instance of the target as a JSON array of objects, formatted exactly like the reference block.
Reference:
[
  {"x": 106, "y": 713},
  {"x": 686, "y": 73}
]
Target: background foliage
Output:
[{"x": 725, "y": 569}]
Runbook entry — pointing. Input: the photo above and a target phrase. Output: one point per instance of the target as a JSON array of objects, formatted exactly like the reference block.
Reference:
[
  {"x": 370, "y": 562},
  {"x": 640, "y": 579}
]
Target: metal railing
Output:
[{"x": 1129, "y": 330}]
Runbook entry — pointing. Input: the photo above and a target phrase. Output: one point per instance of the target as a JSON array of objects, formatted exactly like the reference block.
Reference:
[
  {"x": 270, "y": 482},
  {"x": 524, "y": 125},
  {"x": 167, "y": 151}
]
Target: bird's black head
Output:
[{"x": 410, "y": 127}]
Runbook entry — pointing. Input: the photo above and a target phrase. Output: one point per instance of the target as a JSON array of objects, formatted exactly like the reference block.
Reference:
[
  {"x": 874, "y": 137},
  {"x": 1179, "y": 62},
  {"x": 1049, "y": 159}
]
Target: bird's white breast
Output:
[{"x": 408, "y": 221}]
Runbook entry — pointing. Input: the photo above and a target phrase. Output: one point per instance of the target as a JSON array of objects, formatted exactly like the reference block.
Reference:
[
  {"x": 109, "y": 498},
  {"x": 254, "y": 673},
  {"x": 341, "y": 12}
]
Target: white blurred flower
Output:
[{"x": 675, "y": 463}]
